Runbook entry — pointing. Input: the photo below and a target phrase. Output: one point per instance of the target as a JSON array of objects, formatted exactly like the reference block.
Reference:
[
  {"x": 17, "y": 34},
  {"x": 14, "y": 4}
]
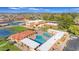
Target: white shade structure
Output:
[{"x": 30, "y": 43}]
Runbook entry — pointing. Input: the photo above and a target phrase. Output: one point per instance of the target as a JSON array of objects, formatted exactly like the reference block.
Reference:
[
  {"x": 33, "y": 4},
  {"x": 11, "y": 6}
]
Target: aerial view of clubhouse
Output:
[
  {"x": 28, "y": 35},
  {"x": 34, "y": 32}
]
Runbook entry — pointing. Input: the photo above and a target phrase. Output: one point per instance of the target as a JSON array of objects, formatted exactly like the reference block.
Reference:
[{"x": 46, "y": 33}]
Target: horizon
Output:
[{"x": 39, "y": 9}]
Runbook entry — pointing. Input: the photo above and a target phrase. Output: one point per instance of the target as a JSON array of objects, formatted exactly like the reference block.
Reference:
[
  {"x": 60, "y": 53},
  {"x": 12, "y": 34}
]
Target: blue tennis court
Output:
[{"x": 5, "y": 33}]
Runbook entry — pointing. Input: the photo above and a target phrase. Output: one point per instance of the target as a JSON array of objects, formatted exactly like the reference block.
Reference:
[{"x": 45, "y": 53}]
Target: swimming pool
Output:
[
  {"x": 47, "y": 34},
  {"x": 5, "y": 33},
  {"x": 40, "y": 39}
]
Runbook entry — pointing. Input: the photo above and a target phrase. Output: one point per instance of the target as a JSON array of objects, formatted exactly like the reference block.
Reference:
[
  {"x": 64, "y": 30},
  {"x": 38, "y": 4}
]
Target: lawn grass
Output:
[
  {"x": 8, "y": 46},
  {"x": 2, "y": 41},
  {"x": 17, "y": 29}
]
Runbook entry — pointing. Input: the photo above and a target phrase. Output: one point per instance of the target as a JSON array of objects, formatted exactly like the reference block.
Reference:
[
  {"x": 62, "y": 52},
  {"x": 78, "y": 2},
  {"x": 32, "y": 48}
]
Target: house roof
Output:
[{"x": 21, "y": 35}]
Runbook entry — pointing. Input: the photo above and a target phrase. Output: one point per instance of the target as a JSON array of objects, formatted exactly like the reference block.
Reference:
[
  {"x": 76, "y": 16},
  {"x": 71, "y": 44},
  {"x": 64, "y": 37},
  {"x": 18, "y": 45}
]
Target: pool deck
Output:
[{"x": 47, "y": 45}]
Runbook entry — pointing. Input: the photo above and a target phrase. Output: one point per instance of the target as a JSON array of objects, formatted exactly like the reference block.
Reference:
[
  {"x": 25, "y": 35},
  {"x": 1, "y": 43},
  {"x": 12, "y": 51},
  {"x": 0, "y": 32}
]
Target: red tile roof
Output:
[{"x": 21, "y": 35}]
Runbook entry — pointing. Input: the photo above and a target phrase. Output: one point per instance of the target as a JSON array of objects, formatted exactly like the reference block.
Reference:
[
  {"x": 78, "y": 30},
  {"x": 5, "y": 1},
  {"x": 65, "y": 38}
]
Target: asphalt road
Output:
[{"x": 72, "y": 45}]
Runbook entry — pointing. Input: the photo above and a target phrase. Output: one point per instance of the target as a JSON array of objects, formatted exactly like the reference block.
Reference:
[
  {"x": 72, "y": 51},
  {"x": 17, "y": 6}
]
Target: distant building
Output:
[
  {"x": 20, "y": 17},
  {"x": 4, "y": 22},
  {"x": 52, "y": 24},
  {"x": 34, "y": 23}
]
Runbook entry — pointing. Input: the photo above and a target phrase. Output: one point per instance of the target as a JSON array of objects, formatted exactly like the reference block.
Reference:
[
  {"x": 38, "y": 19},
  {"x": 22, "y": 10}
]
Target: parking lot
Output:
[{"x": 72, "y": 44}]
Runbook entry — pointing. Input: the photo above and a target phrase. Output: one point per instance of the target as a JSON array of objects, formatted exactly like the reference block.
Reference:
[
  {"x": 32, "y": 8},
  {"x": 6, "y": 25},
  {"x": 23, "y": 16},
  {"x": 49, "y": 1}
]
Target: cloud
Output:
[
  {"x": 40, "y": 9},
  {"x": 34, "y": 9},
  {"x": 30, "y": 9}
]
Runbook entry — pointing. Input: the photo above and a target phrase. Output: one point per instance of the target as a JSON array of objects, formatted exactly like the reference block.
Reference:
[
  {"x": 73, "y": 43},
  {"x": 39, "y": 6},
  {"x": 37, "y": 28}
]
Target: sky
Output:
[{"x": 39, "y": 9}]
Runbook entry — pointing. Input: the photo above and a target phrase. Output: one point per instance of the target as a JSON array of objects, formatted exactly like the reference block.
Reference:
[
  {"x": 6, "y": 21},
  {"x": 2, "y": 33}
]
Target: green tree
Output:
[
  {"x": 76, "y": 20},
  {"x": 65, "y": 21},
  {"x": 74, "y": 29}
]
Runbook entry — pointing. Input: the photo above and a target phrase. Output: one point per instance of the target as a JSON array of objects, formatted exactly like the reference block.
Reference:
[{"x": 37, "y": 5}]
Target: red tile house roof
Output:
[{"x": 21, "y": 35}]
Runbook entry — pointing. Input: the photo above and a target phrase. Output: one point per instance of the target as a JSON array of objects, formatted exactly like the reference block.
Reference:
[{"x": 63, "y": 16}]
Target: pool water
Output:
[
  {"x": 5, "y": 33},
  {"x": 47, "y": 34},
  {"x": 40, "y": 39}
]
